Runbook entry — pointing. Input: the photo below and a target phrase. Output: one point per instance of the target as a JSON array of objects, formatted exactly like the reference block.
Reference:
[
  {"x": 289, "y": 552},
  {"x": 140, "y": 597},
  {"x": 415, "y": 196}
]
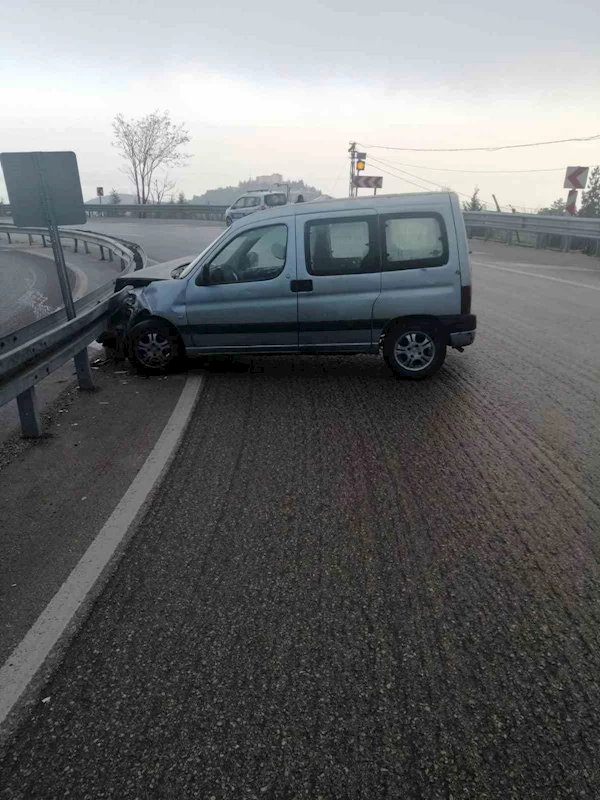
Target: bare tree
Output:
[
  {"x": 147, "y": 144},
  {"x": 161, "y": 187}
]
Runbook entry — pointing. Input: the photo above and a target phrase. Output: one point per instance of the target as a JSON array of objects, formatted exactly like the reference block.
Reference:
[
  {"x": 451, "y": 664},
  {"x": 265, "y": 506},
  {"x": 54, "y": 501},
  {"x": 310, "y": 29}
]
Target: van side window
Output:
[
  {"x": 254, "y": 255},
  {"x": 412, "y": 241},
  {"x": 341, "y": 246}
]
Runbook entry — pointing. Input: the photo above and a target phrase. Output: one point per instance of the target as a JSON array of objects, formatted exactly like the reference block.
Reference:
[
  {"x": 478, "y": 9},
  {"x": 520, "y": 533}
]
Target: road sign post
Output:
[
  {"x": 100, "y": 193},
  {"x": 572, "y": 202},
  {"x": 44, "y": 190},
  {"x": 59, "y": 256}
]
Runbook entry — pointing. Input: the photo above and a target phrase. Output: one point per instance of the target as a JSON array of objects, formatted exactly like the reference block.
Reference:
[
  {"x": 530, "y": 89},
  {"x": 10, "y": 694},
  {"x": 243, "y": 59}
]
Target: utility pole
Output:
[{"x": 352, "y": 151}]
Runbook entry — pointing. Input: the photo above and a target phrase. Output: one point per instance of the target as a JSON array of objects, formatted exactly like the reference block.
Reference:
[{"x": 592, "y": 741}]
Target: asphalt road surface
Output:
[
  {"x": 354, "y": 587},
  {"x": 161, "y": 239},
  {"x": 29, "y": 287}
]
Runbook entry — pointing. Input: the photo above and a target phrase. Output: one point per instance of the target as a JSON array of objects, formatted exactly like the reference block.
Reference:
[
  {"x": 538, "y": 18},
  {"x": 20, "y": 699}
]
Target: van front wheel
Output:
[{"x": 414, "y": 351}]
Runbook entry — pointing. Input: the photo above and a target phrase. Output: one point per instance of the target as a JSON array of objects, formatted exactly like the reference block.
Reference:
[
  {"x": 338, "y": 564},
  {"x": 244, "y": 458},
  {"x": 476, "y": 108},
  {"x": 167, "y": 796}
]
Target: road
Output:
[
  {"x": 161, "y": 239},
  {"x": 29, "y": 287},
  {"x": 354, "y": 587}
]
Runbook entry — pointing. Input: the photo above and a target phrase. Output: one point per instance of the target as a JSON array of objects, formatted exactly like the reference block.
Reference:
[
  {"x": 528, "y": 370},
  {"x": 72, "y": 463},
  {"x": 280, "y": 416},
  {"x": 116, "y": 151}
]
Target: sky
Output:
[{"x": 284, "y": 86}]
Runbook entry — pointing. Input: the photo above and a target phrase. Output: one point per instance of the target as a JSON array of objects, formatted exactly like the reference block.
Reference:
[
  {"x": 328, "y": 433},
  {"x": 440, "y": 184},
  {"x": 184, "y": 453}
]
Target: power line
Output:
[
  {"x": 444, "y": 188},
  {"x": 418, "y": 177},
  {"x": 473, "y": 149},
  {"x": 399, "y": 177},
  {"x": 477, "y": 171}
]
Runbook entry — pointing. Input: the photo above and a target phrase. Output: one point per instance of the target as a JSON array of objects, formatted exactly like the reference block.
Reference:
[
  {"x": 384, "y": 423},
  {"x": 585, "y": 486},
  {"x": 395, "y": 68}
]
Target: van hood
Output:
[{"x": 157, "y": 272}]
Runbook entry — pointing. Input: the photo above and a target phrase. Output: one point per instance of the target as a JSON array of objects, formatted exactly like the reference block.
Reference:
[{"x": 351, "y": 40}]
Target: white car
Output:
[{"x": 255, "y": 200}]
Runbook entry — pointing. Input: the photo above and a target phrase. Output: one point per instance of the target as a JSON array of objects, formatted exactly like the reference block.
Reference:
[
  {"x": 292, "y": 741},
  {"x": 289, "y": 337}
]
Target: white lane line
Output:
[
  {"x": 536, "y": 275},
  {"x": 27, "y": 658}
]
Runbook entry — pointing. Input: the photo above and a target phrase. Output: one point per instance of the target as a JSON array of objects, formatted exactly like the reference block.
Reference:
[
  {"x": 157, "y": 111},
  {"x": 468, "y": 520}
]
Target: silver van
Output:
[
  {"x": 254, "y": 200},
  {"x": 359, "y": 275}
]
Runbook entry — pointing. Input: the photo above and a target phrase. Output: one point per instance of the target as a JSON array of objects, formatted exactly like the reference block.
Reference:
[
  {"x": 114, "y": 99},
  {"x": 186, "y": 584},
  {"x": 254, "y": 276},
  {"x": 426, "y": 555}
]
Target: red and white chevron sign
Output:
[
  {"x": 576, "y": 177},
  {"x": 368, "y": 181}
]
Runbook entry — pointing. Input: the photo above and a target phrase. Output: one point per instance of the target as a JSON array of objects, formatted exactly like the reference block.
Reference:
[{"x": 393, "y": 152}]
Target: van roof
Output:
[{"x": 378, "y": 202}]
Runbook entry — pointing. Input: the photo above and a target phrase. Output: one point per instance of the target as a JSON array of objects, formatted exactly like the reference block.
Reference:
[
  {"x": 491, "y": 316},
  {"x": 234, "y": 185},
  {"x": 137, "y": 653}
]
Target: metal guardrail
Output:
[
  {"x": 107, "y": 244},
  {"x": 157, "y": 211},
  {"x": 581, "y": 227},
  {"x": 151, "y": 210},
  {"x": 31, "y": 353}
]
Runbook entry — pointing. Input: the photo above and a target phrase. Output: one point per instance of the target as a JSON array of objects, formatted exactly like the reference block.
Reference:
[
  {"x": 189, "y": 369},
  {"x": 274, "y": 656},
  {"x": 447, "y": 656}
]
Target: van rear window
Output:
[
  {"x": 412, "y": 241},
  {"x": 275, "y": 199}
]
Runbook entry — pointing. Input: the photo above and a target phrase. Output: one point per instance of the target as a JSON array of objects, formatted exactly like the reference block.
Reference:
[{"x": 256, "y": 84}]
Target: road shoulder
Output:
[{"x": 56, "y": 493}]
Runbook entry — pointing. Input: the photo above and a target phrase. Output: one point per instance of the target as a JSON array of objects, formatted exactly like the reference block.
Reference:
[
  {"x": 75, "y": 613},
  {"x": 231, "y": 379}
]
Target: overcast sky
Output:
[{"x": 283, "y": 86}]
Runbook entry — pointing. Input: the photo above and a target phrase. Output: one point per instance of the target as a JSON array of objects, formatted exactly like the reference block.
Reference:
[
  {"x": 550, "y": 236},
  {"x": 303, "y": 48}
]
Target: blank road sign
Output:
[
  {"x": 23, "y": 173},
  {"x": 576, "y": 177}
]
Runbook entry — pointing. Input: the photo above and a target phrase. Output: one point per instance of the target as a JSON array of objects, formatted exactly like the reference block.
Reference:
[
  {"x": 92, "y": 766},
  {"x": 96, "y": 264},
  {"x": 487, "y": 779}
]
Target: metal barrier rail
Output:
[
  {"x": 151, "y": 210},
  {"x": 580, "y": 227},
  {"x": 106, "y": 244},
  {"x": 22, "y": 367},
  {"x": 31, "y": 353},
  {"x": 157, "y": 211}
]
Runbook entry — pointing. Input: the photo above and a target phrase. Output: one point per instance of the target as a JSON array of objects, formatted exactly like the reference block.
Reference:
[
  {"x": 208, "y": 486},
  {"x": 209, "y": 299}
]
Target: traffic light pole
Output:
[{"x": 352, "y": 151}]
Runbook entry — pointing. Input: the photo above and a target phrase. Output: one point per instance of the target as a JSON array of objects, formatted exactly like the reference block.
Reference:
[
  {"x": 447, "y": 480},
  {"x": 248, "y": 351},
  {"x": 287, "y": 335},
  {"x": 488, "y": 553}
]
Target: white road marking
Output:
[
  {"x": 27, "y": 658},
  {"x": 536, "y": 275}
]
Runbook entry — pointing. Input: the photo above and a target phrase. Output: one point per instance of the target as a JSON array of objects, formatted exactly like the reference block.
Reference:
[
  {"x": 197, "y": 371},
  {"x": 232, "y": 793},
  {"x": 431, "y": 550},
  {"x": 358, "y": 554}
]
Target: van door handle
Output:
[{"x": 301, "y": 286}]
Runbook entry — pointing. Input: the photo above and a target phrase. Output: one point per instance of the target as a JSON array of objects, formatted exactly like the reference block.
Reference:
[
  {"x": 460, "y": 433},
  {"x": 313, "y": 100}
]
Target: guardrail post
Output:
[
  {"x": 122, "y": 263},
  {"x": 8, "y": 237},
  {"x": 110, "y": 255},
  {"x": 82, "y": 367},
  {"x": 43, "y": 240},
  {"x": 74, "y": 245},
  {"x": 509, "y": 237},
  {"x": 87, "y": 249},
  {"x": 30, "y": 238},
  {"x": 101, "y": 253},
  {"x": 31, "y": 426},
  {"x": 566, "y": 244}
]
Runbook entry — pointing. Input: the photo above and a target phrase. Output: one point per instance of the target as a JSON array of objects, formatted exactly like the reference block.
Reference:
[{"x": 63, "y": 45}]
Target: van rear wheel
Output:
[{"x": 414, "y": 350}]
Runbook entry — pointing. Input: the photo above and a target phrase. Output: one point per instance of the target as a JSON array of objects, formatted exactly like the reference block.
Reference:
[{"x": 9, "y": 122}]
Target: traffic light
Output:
[{"x": 360, "y": 165}]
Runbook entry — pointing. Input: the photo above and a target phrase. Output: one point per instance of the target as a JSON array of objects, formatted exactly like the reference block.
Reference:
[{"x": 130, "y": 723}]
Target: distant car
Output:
[
  {"x": 361, "y": 275},
  {"x": 254, "y": 201}
]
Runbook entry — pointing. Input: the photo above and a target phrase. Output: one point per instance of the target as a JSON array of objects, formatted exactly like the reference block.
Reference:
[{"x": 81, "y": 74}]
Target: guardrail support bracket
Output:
[
  {"x": 31, "y": 426},
  {"x": 82, "y": 367}
]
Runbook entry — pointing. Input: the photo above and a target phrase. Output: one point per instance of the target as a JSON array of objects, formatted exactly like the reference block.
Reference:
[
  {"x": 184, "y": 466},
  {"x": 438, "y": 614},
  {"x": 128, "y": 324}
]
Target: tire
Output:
[
  {"x": 414, "y": 350},
  {"x": 154, "y": 347},
  {"x": 228, "y": 221}
]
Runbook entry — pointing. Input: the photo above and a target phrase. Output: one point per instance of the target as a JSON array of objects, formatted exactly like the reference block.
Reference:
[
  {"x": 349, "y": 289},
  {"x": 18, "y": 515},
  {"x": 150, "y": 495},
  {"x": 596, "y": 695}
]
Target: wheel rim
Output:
[
  {"x": 153, "y": 349},
  {"x": 414, "y": 350}
]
